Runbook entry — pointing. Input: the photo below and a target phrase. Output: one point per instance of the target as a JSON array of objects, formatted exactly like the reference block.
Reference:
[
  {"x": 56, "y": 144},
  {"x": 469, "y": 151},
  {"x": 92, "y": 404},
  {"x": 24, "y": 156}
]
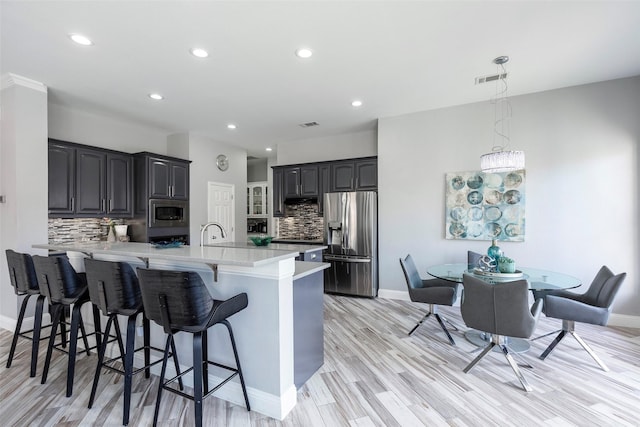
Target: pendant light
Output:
[{"x": 501, "y": 158}]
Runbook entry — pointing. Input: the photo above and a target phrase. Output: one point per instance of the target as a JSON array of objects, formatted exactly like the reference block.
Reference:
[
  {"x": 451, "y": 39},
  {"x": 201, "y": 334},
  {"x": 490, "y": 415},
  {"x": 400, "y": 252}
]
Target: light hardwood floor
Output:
[{"x": 373, "y": 375}]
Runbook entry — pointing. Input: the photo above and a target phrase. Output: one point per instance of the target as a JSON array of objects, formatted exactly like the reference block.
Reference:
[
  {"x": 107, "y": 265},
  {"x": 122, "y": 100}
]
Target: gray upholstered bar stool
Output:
[
  {"x": 180, "y": 302},
  {"x": 114, "y": 289},
  {"x": 22, "y": 275},
  {"x": 64, "y": 287}
]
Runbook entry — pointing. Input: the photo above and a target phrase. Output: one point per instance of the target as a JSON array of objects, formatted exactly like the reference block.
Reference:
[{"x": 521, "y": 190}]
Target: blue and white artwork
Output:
[{"x": 485, "y": 206}]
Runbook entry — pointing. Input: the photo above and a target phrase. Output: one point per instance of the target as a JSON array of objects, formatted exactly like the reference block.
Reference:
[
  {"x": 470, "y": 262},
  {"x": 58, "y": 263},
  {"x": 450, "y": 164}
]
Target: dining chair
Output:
[
  {"x": 501, "y": 309},
  {"x": 593, "y": 307},
  {"x": 431, "y": 291},
  {"x": 473, "y": 259}
]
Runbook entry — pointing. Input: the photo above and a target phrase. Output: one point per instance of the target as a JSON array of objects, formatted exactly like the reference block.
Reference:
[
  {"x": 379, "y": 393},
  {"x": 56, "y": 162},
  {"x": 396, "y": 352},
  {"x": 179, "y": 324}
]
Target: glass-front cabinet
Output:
[{"x": 257, "y": 199}]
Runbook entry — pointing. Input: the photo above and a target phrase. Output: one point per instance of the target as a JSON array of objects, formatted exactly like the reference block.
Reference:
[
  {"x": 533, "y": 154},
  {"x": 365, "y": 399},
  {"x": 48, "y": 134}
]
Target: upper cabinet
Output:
[
  {"x": 168, "y": 178},
  {"x": 301, "y": 182},
  {"x": 257, "y": 199},
  {"x": 313, "y": 180},
  {"x": 87, "y": 182},
  {"x": 354, "y": 175}
]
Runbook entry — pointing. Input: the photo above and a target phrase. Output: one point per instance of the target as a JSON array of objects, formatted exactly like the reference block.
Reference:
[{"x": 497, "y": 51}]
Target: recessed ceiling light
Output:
[
  {"x": 356, "y": 103},
  {"x": 80, "y": 39},
  {"x": 200, "y": 53},
  {"x": 304, "y": 53},
  {"x": 156, "y": 96},
  {"x": 269, "y": 149},
  {"x": 231, "y": 126}
]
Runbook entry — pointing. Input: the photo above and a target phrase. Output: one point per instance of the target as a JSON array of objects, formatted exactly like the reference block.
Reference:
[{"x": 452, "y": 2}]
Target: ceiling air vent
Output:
[
  {"x": 309, "y": 124},
  {"x": 491, "y": 78}
]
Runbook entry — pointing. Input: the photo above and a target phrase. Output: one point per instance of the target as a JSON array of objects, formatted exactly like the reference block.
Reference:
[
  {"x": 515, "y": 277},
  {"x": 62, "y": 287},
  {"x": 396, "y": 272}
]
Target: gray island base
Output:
[{"x": 264, "y": 331}]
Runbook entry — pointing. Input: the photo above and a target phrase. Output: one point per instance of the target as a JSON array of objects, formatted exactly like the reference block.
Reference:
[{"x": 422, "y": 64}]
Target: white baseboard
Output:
[
  {"x": 390, "y": 294},
  {"x": 7, "y": 323}
]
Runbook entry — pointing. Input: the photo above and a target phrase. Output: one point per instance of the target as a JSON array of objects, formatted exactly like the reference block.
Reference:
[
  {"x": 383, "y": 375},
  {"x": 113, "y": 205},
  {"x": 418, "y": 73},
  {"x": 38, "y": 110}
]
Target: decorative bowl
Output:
[
  {"x": 261, "y": 240},
  {"x": 167, "y": 245}
]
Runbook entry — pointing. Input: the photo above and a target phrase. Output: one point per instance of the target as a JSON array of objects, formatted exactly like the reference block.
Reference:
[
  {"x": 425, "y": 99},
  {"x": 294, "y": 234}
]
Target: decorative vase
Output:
[
  {"x": 121, "y": 232},
  {"x": 111, "y": 237},
  {"x": 494, "y": 250},
  {"x": 506, "y": 265}
]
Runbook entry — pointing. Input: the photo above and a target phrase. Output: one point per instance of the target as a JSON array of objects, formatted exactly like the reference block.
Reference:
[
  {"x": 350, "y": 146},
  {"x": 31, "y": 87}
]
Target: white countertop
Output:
[
  {"x": 223, "y": 255},
  {"x": 276, "y": 246}
]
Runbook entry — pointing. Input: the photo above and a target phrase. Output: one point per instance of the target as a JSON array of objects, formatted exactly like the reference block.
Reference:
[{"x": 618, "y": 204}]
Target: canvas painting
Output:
[{"x": 485, "y": 206}]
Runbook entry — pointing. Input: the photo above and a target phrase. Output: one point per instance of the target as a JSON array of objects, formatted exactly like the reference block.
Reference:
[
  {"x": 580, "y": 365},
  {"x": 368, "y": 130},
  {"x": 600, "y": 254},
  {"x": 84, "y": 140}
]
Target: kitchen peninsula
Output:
[{"x": 264, "y": 330}]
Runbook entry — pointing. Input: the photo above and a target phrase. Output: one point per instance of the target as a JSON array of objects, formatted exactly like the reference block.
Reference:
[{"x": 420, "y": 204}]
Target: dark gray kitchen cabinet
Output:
[
  {"x": 62, "y": 160},
  {"x": 168, "y": 179},
  {"x": 278, "y": 186},
  {"x": 354, "y": 175},
  {"x": 324, "y": 174},
  {"x": 300, "y": 182},
  {"x": 87, "y": 181}
]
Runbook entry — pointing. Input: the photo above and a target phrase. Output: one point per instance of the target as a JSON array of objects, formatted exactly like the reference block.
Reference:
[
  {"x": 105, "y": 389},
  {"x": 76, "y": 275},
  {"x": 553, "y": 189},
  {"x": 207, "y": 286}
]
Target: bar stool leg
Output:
[
  {"x": 128, "y": 366},
  {"x": 76, "y": 323},
  {"x": 205, "y": 362},
  {"x": 82, "y": 329},
  {"x": 147, "y": 345},
  {"x": 16, "y": 334},
  {"x": 96, "y": 325},
  {"x": 163, "y": 371},
  {"x": 101, "y": 352},
  {"x": 56, "y": 311},
  {"x": 235, "y": 354},
  {"x": 37, "y": 326},
  {"x": 174, "y": 355},
  {"x": 197, "y": 377}
]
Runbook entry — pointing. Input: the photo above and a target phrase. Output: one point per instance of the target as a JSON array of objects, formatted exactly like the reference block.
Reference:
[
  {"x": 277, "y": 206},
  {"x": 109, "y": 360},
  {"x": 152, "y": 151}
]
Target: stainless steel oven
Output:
[{"x": 168, "y": 213}]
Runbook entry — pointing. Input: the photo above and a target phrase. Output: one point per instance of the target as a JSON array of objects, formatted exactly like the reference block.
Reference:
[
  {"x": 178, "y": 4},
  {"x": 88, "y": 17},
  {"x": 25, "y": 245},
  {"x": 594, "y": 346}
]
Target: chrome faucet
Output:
[{"x": 204, "y": 228}]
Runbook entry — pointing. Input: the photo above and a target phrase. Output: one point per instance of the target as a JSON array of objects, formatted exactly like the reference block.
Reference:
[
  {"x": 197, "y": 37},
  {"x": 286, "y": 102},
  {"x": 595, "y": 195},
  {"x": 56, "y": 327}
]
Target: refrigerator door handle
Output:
[{"x": 352, "y": 260}]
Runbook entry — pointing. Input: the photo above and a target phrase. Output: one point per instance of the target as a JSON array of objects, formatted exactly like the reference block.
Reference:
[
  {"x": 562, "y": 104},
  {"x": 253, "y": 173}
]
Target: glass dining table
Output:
[{"x": 538, "y": 280}]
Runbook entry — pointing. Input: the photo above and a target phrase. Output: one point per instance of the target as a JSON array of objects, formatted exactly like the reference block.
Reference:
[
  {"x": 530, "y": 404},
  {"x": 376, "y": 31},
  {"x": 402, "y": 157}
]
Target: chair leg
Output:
[
  {"x": 76, "y": 323},
  {"x": 101, "y": 351},
  {"x": 444, "y": 328},
  {"x": 486, "y": 351},
  {"x": 553, "y": 344},
  {"x": 515, "y": 368},
  {"x": 197, "y": 377},
  {"x": 63, "y": 326},
  {"x": 16, "y": 334},
  {"x": 96, "y": 325},
  {"x": 82, "y": 329},
  {"x": 37, "y": 328},
  {"x": 128, "y": 366},
  {"x": 590, "y": 351},
  {"x": 546, "y": 335},
  {"x": 235, "y": 354},
  {"x": 163, "y": 371},
  {"x": 419, "y": 323},
  {"x": 57, "y": 313},
  {"x": 147, "y": 345},
  {"x": 205, "y": 362}
]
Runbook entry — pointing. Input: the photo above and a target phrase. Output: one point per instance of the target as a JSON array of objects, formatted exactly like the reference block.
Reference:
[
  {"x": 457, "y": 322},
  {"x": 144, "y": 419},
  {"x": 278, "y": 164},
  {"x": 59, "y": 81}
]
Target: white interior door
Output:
[{"x": 221, "y": 209}]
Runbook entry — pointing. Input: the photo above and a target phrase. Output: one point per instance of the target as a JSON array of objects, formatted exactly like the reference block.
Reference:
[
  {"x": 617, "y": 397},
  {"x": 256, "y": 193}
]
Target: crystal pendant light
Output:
[{"x": 501, "y": 158}]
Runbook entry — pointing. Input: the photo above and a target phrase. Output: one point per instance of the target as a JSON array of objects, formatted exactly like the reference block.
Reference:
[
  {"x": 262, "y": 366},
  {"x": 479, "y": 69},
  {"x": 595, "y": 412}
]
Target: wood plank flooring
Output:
[{"x": 374, "y": 375}]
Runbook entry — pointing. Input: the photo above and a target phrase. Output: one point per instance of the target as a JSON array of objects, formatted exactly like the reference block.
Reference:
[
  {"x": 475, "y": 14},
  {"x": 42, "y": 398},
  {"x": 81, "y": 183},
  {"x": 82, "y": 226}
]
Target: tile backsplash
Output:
[
  {"x": 65, "y": 230},
  {"x": 302, "y": 221}
]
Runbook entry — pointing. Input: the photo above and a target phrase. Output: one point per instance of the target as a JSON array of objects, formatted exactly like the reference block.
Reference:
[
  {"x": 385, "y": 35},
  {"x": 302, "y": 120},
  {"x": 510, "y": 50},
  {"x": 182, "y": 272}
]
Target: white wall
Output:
[
  {"x": 74, "y": 125},
  {"x": 344, "y": 146},
  {"x": 23, "y": 177},
  {"x": 202, "y": 152},
  {"x": 582, "y": 164}
]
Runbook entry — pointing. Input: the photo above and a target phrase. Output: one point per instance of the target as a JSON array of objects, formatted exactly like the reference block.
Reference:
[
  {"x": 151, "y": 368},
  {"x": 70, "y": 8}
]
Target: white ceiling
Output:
[{"x": 397, "y": 57}]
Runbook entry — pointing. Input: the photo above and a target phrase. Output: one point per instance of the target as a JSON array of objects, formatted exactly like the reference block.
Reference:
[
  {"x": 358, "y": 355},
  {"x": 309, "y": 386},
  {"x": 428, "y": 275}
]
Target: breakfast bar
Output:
[{"x": 264, "y": 330}]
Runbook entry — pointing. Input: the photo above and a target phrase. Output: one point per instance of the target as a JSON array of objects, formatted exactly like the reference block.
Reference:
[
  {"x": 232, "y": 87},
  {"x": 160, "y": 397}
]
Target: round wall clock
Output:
[{"x": 222, "y": 162}]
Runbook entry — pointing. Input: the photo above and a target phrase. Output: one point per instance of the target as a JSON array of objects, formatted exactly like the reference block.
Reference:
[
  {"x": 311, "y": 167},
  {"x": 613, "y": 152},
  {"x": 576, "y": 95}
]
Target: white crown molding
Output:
[{"x": 8, "y": 79}]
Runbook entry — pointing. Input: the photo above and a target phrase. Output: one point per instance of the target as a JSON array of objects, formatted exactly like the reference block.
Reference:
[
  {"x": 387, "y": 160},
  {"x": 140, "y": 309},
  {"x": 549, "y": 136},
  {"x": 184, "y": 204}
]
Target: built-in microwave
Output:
[{"x": 168, "y": 213}]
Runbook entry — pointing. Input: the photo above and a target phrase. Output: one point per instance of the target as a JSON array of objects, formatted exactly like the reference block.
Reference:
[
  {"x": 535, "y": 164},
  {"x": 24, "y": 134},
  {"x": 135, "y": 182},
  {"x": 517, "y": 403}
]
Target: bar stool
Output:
[
  {"x": 63, "y": 287},
  {"x": 114, "y": 289},
  {"x": 25, "y": 283},
  {"x": 180, "y": 302}
]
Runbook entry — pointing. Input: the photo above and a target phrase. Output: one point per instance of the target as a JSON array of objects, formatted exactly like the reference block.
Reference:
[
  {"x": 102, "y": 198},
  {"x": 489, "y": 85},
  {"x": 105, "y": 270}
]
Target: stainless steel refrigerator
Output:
[{"x": 351, "y": 234}]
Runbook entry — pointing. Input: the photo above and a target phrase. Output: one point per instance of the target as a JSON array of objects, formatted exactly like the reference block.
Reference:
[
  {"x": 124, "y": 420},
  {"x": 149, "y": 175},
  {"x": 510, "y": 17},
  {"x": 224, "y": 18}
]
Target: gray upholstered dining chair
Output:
[
  {"x": 473, "y": 259},
  {"x": 431, "y": 291},
  {"x": 501, "y": 309},
  {"x": 594, "y": 307}
]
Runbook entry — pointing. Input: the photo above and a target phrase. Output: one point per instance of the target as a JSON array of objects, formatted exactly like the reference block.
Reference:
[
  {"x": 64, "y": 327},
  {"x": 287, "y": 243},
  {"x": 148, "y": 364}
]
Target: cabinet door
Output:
[
  {"x": 119, "y": 185},
  {"x": 323, "y": 185},
  {"x": 278, "y": 200},
  {"x": 257, "y": 200},
  {"x": 62, "y": 160},
  {"x": 291, "y": 183},
  {"x": 366, "y": 174},
  {"x": 179, "y": 181},
  {"x": 309, "y": 181},
  {"x": 159, "y": 176},
  {"x": 90, "y": 182},
  {"x": 342, "y": 176}
]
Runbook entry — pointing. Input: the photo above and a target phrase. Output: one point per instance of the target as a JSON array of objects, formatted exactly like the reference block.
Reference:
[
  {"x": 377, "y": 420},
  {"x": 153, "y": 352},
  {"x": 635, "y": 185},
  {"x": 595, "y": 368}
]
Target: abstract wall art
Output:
[{"x": 485, "y": 206}]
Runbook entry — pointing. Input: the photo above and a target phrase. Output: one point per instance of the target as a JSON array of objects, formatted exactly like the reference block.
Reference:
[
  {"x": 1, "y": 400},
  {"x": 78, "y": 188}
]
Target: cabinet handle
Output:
[
  {"x": 73, "y": 204},
  {"x": 357, "y": 183},
  {"x": 110, "y": 200},
  {"x": 102, "y": 206}
]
